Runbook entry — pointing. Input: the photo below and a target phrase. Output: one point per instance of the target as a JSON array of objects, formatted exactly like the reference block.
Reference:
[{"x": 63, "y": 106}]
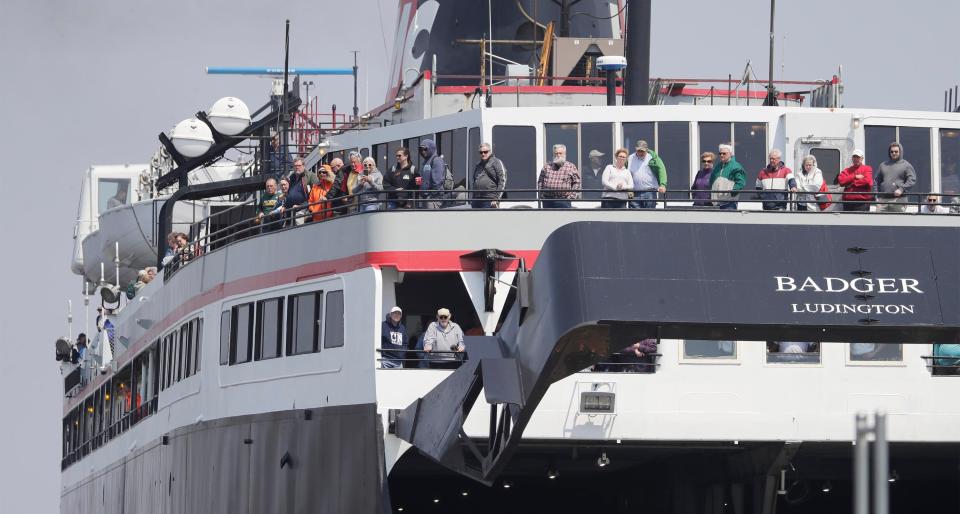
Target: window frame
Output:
[
  {"x": 317, "y": 324},
  {"x": 799, "y": 364},
  {"x": 884, "y": 364},
  {"x": 734, "y": 360},
  {"x": 343, "y": 319},
  {"x": 258, "y": 328}
]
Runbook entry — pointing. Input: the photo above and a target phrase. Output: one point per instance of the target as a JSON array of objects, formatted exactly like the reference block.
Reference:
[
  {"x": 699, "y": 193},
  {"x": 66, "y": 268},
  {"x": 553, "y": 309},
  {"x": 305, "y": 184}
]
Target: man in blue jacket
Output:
[
  {"x": 393, "y": 335},
  {"x": 433, "y": 170}
]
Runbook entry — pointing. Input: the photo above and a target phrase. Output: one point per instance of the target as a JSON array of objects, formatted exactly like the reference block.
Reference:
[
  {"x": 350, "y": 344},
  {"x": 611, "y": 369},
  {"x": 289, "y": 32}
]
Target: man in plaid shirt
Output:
[{"x": 561, "y": 175}]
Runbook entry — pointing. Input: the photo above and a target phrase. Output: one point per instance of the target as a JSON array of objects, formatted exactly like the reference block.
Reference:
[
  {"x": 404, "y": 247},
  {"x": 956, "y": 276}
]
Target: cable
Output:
[
  {"x": 601, "y": 17},
  {"x": 383, "y": 37}
]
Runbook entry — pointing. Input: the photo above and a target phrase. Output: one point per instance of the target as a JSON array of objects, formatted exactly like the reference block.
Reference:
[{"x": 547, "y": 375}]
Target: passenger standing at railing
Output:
[
  {"x": 443, "y": 340},
  {"x": 489, "y": 179},
  {"x": 701, "y": 182},
  {"x": 350, "y": 177},
  {"x": 774, "y": 180},
  {"x": 559, "y": 181},
  {"x": 813, "y": 188},
  {"x": 319, "y": 205},
  {"x": 649, "y": 176},
  {"x": 277, "y": 159},
  {"x": 617, "y": 182},
  {"x": 895, "y": 177},
  {"x": 857, "y": 182},
  {"x": 270, "y": 207},
  {"x": 301, "y": 180},
  {"x": 593, "y": 176},
  {"x": 433, "y": 172},
  {"x": 726, "y": 180},
  {"x": 393, "y": 336},
  {"x": 400, "y": 180},
  {"x": 369, "y": 186}
]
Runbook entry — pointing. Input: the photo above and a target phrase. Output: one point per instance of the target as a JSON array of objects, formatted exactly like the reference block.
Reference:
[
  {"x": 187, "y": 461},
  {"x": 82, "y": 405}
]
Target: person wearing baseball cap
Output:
[
  {"x": 444, "y": 341},
  {"x": 393, "y": 335},
  {"x": 592, "y": 177},
  {"x": 857, "y": 182}
]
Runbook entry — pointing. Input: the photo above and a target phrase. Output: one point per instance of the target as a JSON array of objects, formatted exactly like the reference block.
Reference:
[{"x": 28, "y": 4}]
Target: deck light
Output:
[
  {"x": 507, "y": 485},
  {"x": 464, "y": 493},
  {"x": 552, "y": 473},
  {"x": 436, "y": 500},
  {"x": 191, "y": 137},
  {"x": 229, "y": 116},
  {"x": 893, "y": 477},
  {"x": 603, "y": 461},
  {"x": 827, "y": 487}
]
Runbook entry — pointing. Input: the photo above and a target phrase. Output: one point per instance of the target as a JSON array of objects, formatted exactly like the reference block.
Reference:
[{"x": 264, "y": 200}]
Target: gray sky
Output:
[{"x": 95, "y": 82}]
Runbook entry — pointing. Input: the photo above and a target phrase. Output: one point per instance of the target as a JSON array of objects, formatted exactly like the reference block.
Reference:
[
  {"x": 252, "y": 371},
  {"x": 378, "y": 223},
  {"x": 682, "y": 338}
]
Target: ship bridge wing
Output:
[{"x": 599, "y": 287}]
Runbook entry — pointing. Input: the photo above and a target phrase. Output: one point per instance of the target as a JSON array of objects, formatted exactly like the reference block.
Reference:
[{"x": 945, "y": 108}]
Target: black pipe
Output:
[
  {"x": 636, "y": 85},
  {"x": 197, "y": 192},
  {"x": 611, "y": 87}
]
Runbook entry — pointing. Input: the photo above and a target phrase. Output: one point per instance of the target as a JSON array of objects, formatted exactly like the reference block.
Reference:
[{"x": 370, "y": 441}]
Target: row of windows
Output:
[
  {"x": 131, "y": 393},
  {"x": 786, "y": 352},
  {"x": 671, "y": 140},
  {"x": 180, "y": 353},
  {"x": 255, "y": 331}
]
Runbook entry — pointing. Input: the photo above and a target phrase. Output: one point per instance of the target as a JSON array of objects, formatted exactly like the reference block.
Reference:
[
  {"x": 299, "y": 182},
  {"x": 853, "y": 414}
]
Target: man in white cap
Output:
[
  {"x": 592, "y": 177},
  {"x": 393, "y": 336},
  {"x": 443, "y": 341},
  {"x": 857, "y": 182},
  {"x": 649, "y": 176}
]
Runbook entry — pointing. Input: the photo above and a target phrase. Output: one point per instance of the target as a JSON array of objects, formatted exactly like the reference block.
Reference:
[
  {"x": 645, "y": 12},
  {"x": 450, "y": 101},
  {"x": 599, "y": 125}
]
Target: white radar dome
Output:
[
  {"x": 191, "y": 137},
  {"x": 611, "y": 62},
  {"x": 229, "y": 116}
]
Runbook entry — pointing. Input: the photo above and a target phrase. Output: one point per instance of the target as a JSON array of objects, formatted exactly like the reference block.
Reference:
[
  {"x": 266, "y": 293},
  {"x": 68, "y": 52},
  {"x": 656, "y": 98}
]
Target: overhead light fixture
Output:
[
  {"x": 436, "y": 500},
  {"x": 191, "y": 137},
  {"x": 399, "y": 509},
  {"x": 826, "y": 487},
  {"x": 507, "y": 484},
  {"x": 552, "y": 473},
  {"x": 464, "y": 493},
  {"x": 229, "y": 116},
  {"x": 893, "y": 477},
  {"x": 603, "y": 461}
]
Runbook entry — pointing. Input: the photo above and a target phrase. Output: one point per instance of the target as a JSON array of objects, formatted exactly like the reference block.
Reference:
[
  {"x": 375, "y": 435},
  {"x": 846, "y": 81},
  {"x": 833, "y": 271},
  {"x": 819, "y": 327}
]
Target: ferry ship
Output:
[{"x": 249, "y": 377}]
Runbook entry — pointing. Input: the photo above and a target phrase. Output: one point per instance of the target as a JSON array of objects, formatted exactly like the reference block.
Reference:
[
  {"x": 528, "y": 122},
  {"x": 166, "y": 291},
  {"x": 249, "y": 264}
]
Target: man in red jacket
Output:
[{"x": 857, "y": 182}]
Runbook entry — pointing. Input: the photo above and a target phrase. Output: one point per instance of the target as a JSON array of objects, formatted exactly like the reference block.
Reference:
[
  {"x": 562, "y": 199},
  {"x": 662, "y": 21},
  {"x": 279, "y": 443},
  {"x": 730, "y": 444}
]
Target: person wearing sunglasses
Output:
[
  {"x": 443, "y": 341},
  {"x": 701, "y": 182},
  {"x": 369, "y": 185},
  {"x": 400, "y": 180},
  {"x": 489, "y": 179},
  {"x": 931, "y": 205}
]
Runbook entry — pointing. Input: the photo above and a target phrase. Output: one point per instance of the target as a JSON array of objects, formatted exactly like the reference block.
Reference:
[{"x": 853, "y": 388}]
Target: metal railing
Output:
[
  {"x": 422, "y": 359},
  {"x": 935, "y": 363},
  {"x": 461, "y": 198}
]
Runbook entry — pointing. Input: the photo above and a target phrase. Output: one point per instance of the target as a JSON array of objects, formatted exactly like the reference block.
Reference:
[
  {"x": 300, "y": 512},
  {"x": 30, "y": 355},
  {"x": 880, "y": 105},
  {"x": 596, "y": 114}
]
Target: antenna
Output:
[
  {"x": 70, "y": 320},
  {"x": 771, "y": 92},
  {"x": 116, "y": 262}
]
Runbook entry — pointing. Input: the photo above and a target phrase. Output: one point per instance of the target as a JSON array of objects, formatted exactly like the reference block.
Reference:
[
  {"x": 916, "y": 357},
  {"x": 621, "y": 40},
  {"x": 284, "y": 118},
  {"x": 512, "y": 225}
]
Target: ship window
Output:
[
  {"x": 155, "y": 369},
  {"x": 950, "y": 163},
  {"x": 916, "y": 150},
  {"x": 712, "y": 135},
  {"x": 473, "y": 156},
  {"x": 168, "y": 374},
  {"x": 225, "y": 337},
  {"x": 112, "y": 192},
  {"x": 632, "y": 132},
  {"x": 240, "y": 340},
  {"x": 269, "y": 328},
  {"x": 876, "y": 139},
  {"x": 303, "y": 318},
  {"x": 791, "y": 352},
  {"x": 380, "y": 155},
  {"x": 333, "y": 328},
  {"x": 750, "y": 149},
  {"x": 186, "y": 342},
  {"x": 673, "y": 146},
  {"x": 594, "y": 137},
  {"x": 198, "y": 340},
  {"x": 828, "y": 160},
  {"x": 876, "y": 352},
  {"x": 513, "y": 145},
  {"x": 458, "y": 154},
  {"x": 178, "y": 356},
  {"x": 696, "y": 349}
]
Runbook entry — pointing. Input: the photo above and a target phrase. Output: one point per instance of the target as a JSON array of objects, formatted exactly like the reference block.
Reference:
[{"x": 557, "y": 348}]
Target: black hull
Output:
[{"x": 298, "y": 461}]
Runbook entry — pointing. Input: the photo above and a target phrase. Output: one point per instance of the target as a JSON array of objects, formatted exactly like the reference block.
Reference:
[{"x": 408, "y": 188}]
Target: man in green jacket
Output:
[
  {"x": 726, "y": 180},
  {"x": 649, "y": 176}
]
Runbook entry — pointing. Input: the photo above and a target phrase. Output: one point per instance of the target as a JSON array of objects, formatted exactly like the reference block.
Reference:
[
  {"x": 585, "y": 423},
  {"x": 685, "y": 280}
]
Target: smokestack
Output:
[{"x": 636, "y": 86}]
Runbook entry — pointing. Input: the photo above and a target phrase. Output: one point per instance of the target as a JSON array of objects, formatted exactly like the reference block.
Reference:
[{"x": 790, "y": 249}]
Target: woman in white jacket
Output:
[
  {"x": 810, "y": 184},
  {"x": 617, "y": 182}
]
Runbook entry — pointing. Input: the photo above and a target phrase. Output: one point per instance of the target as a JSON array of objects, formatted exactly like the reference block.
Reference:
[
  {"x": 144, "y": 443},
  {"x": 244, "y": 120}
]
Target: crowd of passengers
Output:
[{"x": 634, "y": 180}]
